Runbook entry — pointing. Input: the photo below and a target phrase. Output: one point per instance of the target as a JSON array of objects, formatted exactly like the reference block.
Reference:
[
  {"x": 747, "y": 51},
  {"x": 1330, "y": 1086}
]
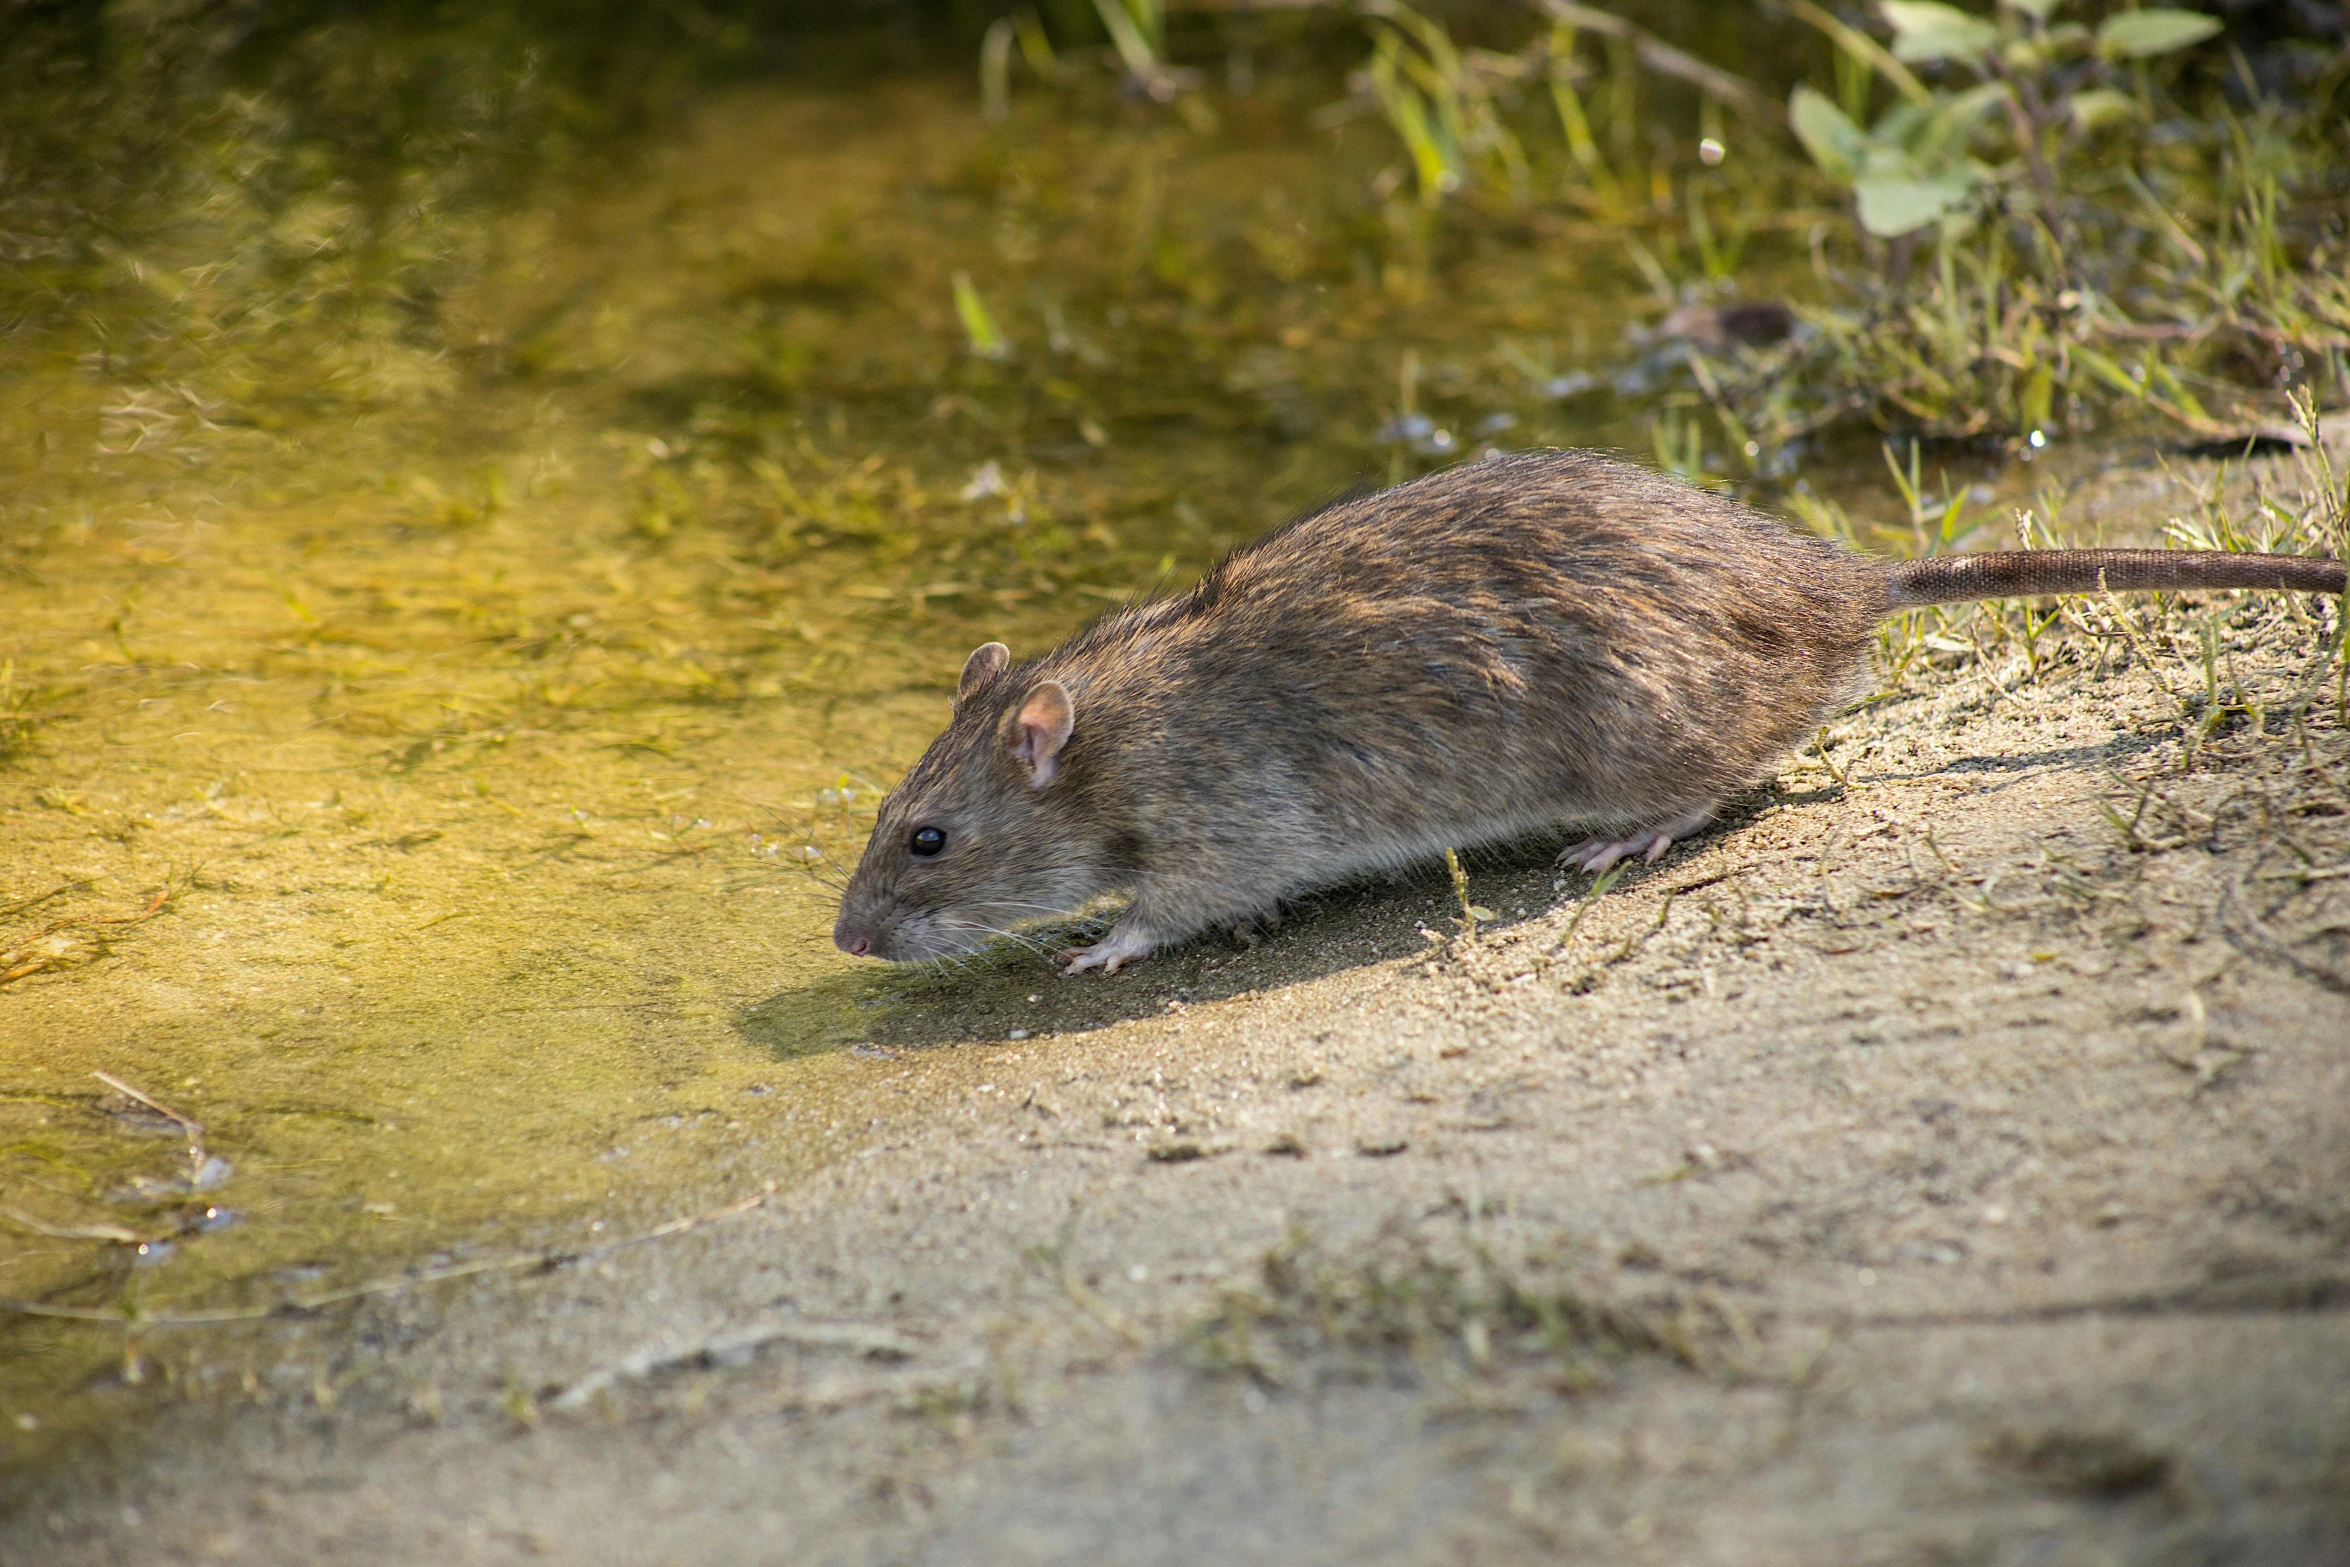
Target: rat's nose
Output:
[{"x": 856, "y": 943}]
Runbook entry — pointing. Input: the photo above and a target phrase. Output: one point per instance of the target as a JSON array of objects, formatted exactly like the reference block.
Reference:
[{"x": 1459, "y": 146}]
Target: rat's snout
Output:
[{"x": 865, "y": 925}]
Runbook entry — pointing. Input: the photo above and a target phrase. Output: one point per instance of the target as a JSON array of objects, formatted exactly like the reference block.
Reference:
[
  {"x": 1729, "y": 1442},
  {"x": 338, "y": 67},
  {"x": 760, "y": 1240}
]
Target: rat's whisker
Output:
[{"x": 995, "y": 930}]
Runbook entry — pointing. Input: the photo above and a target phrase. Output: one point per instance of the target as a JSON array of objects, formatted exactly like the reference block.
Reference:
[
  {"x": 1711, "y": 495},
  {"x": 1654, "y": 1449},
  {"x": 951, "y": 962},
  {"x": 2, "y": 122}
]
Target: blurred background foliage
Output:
[{"x": 2001, "y": 224}]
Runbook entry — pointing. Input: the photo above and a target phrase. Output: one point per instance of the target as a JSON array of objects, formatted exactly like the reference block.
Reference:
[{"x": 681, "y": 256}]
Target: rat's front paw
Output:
[
  {"x": 1597, "y": 854},
  {"x": 1112, "y": 952},
  {"x": 1650, "y": 843}
]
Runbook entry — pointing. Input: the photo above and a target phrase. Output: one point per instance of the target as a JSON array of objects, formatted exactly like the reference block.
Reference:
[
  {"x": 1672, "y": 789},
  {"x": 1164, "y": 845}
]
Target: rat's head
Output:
[{"x": 987, "y": 831}]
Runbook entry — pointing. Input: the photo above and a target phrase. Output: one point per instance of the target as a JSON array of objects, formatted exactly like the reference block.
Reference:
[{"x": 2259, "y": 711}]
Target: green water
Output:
[{"x": 413, "y": 748}]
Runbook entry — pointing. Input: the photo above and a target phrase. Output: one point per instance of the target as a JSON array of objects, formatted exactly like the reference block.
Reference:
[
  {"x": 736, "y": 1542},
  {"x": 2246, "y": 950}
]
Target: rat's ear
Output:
[
  {"x": 987, "y": 661},
  {"x": 1035, "y": 731}
]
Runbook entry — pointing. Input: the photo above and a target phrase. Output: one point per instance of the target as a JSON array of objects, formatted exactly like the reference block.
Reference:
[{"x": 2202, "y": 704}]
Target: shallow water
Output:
[{"x": 414, "y": 755}]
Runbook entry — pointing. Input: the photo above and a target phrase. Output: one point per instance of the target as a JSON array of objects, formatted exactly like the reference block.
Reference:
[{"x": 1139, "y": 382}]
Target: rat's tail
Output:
[{"x": 1956, "y": 579}]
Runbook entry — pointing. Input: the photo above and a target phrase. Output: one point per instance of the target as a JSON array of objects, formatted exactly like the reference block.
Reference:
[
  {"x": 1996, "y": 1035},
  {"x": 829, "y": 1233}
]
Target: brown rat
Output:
[{"x": 1502, "y": 648}]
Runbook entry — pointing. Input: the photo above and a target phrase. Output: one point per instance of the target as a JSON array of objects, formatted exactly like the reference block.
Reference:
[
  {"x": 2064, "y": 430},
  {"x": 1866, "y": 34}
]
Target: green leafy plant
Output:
[
  {"x": 2049, "y": 85},
  {"x": 2054, "y": 220},
  {"x": 2028, "y": 266}
]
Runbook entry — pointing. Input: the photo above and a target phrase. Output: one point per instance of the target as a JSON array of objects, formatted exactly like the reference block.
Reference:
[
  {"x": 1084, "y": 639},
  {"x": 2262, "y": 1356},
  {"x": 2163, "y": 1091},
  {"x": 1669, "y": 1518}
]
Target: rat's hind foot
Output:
[
  {"x": 1597, "y": 854},
  {"x": 1115, "y": 950}
]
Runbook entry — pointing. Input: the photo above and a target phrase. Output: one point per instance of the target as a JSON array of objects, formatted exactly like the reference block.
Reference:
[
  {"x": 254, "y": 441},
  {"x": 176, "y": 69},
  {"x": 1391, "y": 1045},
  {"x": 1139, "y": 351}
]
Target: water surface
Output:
[{"x": 416, "y": 745}]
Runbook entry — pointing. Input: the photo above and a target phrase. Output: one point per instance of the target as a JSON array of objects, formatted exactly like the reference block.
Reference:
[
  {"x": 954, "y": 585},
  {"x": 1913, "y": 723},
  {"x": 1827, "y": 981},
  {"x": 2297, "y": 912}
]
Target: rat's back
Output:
[{"x": 1506, "y": 646}]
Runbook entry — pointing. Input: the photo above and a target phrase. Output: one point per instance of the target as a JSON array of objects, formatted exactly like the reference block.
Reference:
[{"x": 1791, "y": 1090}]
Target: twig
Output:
[
  {"x": 129, "y": 1316},
  {"x": 2303, "y": 873},
  {"x": 73, "y": 1232},
  {"x": 875, "y": 1343},
  {"x": 190, "y": 1128},
  {"x": 2249, "y": 936},
  {"x": 193, "y": 1128},
  {"x": 1663, "y": 58},
  {"x": 2318, "y": 1293},
  {"x": 50, "y": 960},
  {"x": 39, "y": 898}
]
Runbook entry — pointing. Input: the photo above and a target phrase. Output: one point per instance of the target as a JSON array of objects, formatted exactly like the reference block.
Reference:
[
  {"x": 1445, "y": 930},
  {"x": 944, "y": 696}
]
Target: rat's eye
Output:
[{"x": 927, "y": 841}]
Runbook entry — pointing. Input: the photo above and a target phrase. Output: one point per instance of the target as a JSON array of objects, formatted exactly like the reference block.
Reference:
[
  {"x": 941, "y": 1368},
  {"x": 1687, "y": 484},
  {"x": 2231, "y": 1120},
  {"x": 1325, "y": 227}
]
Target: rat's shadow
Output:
[
  {"x": 2116, "y": 749},
  {"x": 989, "y": 995},
  {"x": 1011, "y": 991}
]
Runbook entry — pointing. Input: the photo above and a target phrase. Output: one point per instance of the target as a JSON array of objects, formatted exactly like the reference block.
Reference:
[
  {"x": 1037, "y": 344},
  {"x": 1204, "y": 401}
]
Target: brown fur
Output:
[{"x": 1505, "y": 647}]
